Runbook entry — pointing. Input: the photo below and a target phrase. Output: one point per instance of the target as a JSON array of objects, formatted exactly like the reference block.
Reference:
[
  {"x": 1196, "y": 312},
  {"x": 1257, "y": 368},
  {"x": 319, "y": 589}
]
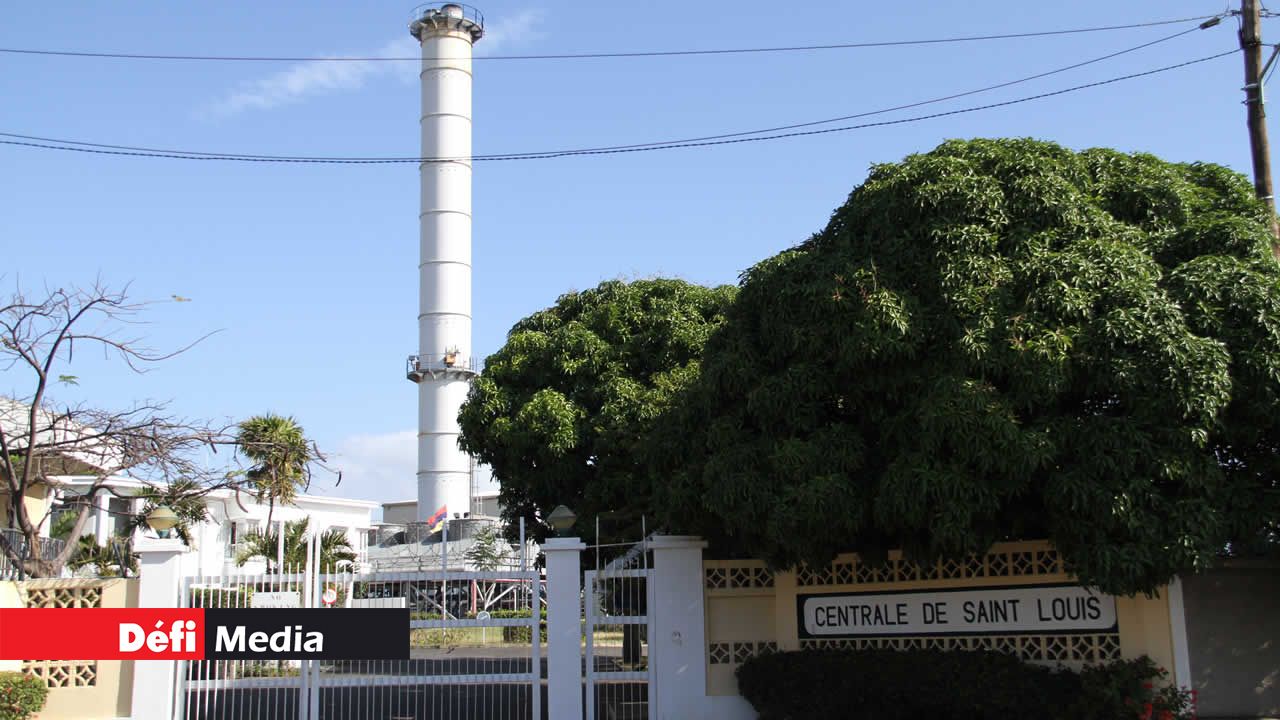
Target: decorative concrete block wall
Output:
[
  {"x": 750, "y": 610},
  {"x": 78, "y": 689}
]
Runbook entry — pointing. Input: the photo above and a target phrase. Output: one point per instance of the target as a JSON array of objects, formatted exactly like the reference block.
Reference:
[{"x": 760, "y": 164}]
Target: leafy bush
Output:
[
  {"x": 106, "y": 560},
  {"x": 904, "y": 685},
  {"x": 520, "y": 634},
  {"x": 1132, "y": 689},
  {"x": 21, "y": 696},
  {"x": 270, "y": 669},
  {"x": 446, "y": 634},
  {"x": 437, "y": 637},
  {"x": 900, "y": 685},
  {"x": 506, "y": 614}
]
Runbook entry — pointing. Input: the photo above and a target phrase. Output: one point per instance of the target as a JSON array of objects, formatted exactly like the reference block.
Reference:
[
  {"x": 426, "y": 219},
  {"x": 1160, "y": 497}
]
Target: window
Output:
[
  {"x": 231, "y": 540},
  {"x": 119, "y": 510}
]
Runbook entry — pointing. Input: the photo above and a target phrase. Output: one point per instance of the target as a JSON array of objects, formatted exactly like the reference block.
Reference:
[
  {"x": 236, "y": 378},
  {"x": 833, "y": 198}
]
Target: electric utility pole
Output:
[{"x": 1251, "y": 44}]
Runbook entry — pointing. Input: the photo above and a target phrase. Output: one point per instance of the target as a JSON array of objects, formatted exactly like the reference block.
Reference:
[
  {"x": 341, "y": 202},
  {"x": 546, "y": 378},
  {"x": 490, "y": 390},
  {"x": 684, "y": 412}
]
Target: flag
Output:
[{"x": 436, "y": 521}]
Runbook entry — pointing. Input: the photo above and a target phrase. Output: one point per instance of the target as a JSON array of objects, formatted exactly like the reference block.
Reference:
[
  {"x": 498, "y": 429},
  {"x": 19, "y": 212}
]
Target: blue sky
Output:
[{"x": 309, "y": 272}]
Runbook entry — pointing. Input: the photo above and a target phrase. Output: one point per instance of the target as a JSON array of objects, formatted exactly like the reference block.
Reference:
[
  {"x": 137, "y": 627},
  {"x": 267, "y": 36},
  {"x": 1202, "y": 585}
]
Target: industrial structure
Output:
[{"x": 444, "y": 365}]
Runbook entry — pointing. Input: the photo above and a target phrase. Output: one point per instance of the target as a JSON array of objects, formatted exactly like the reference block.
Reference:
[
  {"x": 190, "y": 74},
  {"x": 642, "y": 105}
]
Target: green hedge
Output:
[
  {"x": 520, "y": 633},
  {"x": 906, "y": 685},
  {"x": 979, "y": 685},
  {"x": 510, "y": 634},
  {"x": 269, "y": 669},
  {"x": 1132, "y": 688},
  {"x": 517, "y": 613},
  {"x": 21, "y": 696}
]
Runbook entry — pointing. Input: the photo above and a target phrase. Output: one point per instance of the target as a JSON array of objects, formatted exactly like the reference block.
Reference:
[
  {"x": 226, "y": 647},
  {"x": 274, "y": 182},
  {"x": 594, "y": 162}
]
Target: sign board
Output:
[
  {"x": 330, "y": 595},
  {"x": 275, "y": 600},
  {"x": 1025, "y": 609}
]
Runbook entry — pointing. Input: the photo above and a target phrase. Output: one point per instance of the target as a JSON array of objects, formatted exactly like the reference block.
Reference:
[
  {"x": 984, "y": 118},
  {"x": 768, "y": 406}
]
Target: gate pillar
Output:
[
  {"x": 159, "y": 577},
  {"x": 564, "y": 627},
  {"x": 678, "y": 643}
]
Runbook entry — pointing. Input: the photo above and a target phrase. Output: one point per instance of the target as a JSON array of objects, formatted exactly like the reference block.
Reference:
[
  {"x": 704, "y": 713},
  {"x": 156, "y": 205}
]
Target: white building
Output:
[
  {"x": 217, "y": 541},
  {"x": 400, "y": 512}
]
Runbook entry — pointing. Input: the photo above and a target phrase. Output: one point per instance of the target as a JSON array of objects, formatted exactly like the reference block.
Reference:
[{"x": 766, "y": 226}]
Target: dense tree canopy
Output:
[
  {"x": 998, "y": 339},
  {"x": 560, "y": 409}
]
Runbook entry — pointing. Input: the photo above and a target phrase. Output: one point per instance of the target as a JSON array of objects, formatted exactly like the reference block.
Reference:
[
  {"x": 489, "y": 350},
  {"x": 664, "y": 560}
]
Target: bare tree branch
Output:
[{"x": 42, "y": 443}]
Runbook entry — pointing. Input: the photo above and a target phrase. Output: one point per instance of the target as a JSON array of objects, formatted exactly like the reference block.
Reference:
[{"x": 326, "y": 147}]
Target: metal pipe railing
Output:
[
  {"x": 45, "y": 549},
  {"x": 415, "y": 364},
  {"x": 469, "y": 12}
]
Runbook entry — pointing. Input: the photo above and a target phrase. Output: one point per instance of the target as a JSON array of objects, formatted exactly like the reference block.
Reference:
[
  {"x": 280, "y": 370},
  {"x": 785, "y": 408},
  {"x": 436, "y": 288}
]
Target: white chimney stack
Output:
[{"x": 444, "y": 366}]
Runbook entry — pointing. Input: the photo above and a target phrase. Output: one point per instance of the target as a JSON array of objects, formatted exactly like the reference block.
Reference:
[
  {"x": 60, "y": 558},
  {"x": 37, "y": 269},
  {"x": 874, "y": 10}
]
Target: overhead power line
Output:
[
  {"x": 743, "y": 133},
  {"x": 602, "y": 55},
  {"x": 102, "y": 149},
  {"x": 930, "y": 101}
]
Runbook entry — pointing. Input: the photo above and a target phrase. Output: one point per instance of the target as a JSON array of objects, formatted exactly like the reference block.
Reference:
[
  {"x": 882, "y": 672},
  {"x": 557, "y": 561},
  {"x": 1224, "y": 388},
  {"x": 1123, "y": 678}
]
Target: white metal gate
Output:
[
  {"x": 476, "y": 640},
  {"x": 230, "y": 688},
  {"x": 617, "y": 610}
]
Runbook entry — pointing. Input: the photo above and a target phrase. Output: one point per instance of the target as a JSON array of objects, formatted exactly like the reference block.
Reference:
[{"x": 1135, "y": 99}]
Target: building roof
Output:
[
  {"x": 122, "y": 482},
  {"x": 328, "y": 500}
]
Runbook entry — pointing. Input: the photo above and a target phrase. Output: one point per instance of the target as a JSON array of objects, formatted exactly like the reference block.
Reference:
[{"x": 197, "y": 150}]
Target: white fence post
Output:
[
  {"x": 159, "y": 579},
  {"x": 678, "y": 648},
  {"x": 564, "y": 627}
]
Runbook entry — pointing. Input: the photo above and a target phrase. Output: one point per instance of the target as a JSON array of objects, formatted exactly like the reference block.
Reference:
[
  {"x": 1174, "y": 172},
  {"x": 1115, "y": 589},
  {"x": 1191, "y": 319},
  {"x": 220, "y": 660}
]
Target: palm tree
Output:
[
  {"x": 281, "y": 457},
  {"x": 116, "y": 556},
  {"x": 117, "y": 553},
  {"x": 334, "y": 549},
  {"x": 183, "y": 496}
]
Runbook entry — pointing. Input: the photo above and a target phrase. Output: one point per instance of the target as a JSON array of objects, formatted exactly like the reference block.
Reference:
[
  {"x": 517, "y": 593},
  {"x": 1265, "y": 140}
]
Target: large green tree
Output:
[
  {"x": 559, "y": 411},
  {"x": 998, "y": 339}
]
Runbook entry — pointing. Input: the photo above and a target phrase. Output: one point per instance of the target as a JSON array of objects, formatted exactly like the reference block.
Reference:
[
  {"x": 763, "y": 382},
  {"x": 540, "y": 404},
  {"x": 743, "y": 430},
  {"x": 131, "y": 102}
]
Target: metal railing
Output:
[
  {"x": 45, "y": 549},
  {"x": 469, "y": 12},
  {"x": 419, "y": 365},
  {"x": 617, "y": 621},
  {"x": 493, "y": 617}
]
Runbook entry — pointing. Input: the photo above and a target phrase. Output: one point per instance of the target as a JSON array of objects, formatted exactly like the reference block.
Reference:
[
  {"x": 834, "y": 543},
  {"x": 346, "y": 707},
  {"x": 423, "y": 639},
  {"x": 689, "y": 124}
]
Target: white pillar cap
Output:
[
  {"x": 144, "y": 544},
  {"x": 560, "y": 543},
  {"x": 673, "y": 542}
]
